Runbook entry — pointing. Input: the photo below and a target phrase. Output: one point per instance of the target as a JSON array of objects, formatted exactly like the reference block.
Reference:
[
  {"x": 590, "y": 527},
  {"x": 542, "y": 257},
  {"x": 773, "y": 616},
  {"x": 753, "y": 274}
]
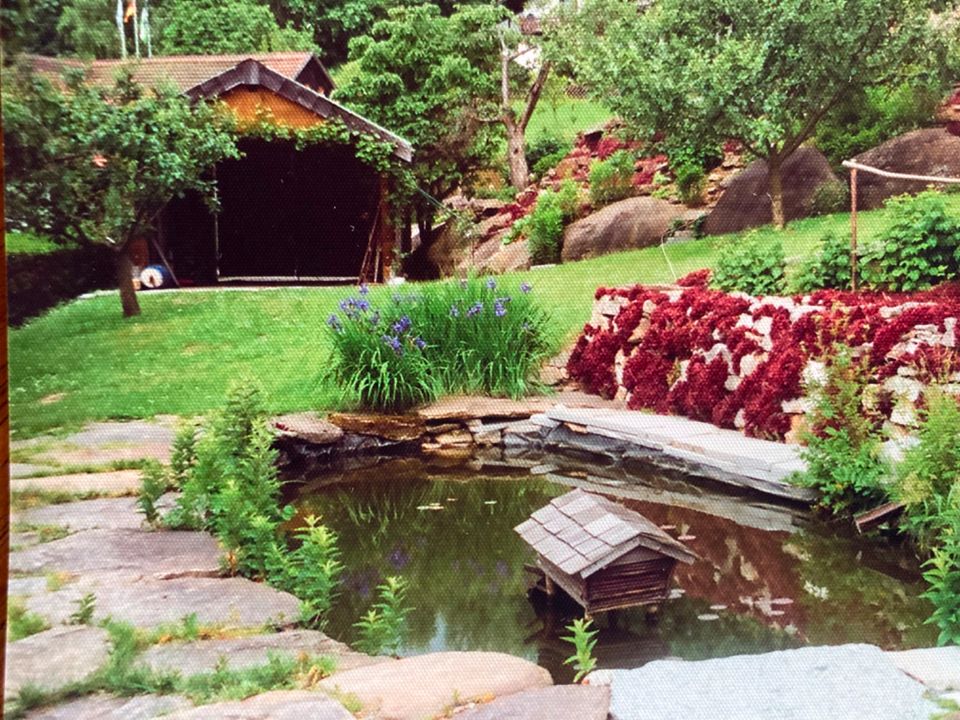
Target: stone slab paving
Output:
[
  {"x": 276, "y": 705},
  {"x": 135, "y": 552},
  {"x": 146, "y": 603},
  {"x": 766, "y": 465},
  {"x": 425, "y": 686},
  {"x": 101, "y": 443},
  {"x": 849, "y": 682},
  {"x": 191, "y": 658},
  {"x": 937, "y": 668},
  {"x": 55, "y": 658},
  {"x": 101, "y": 513},
  {"x": 557, "y": 702},
  {"x": 107, "y": 707},
  {"x": 115, "y": 482}
]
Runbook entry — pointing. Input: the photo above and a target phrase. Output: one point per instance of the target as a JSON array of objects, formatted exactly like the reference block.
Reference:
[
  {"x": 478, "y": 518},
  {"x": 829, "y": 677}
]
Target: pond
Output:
[{"x": 768, "y": 577}]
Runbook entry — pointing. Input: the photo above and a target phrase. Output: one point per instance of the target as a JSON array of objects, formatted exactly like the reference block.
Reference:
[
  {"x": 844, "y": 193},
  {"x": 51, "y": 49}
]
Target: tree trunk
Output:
[
  {"x": 776, "y": 192},
  {"x": 774, "y": 169},
  {"x": 517, "y": 156},
  {"x": 128, "y": 296}
]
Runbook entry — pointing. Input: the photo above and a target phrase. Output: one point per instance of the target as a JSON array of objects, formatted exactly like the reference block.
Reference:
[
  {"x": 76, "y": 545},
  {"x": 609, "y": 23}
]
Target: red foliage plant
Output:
[{"x": 685, "y": 350}]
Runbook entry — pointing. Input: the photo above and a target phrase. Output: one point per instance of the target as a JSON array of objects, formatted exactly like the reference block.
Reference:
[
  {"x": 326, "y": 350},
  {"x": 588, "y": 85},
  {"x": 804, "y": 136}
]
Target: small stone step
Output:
[
  {"x": 558, "y": 702},
  {"x": 107, "y": 707},
  {"x": 118, "y": 482},
  {"x": 275, "y": 705},
  {"x": 55, "y": 658}
]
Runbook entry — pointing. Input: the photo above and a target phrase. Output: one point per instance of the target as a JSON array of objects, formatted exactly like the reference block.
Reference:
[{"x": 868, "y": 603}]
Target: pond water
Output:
[{"x": 769, "y": 579}]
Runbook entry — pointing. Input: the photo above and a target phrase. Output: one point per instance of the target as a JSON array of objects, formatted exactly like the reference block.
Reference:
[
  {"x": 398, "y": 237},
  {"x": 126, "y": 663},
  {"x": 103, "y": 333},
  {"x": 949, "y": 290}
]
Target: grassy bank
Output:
[{"x": 84, "y": 362}]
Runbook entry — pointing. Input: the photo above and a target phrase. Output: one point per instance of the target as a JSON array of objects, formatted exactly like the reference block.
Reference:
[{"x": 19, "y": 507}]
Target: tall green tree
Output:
[
  {"x": 88, "y": 28},
  {"x": 224, "y": 26},
  {"x": 94, "y": 165},
  {"x": 763, "y": 73}
]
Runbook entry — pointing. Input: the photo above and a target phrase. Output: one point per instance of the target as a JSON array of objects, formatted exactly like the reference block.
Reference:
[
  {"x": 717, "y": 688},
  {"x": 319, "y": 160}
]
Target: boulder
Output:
[
  {"x": 309, "y": 427},
  {"x": 108, "y": 707},
  {"x": 933, "y": 151},
  {"x": 274, "y": 705},
  {"x": 626, "y": 225},
  {"x": 557, "y": 702},
  {"x": 398, "y": 428},
  {"x": 515, "y": 256},
  {"x": 746, "y": 201}
]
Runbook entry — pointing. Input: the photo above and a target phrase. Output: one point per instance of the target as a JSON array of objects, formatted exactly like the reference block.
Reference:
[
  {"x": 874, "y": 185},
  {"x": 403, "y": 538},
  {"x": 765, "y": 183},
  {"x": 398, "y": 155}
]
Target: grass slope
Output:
[{"x": 84, "y": 362}]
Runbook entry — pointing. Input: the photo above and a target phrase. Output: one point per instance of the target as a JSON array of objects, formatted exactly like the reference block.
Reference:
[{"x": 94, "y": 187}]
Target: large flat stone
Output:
[
  {"x": 937, "y": 668},
  {"x": 398, "y": 428},
  {"x": 850, "y": 682},
  {"x": 117, "y": 482},
  {"x": 482, "y": 408},
  {"x": 424, "y": 686},
  {"x": 107, "y": 707},
  {"x": 276, "y": 705},
  {"x": 161, "y": 554},
  {"x": 55, "y": 658},
  {"x": 733, "y": 447},
  {"x": 244, "y": 652},
  {"x": 101, "y": 443},
  {"x": 146, "y": 602},
  {"x": 102, "y": 513},
  {"x": 309, "y": 427},
  {"x": 557, "y": 702}
]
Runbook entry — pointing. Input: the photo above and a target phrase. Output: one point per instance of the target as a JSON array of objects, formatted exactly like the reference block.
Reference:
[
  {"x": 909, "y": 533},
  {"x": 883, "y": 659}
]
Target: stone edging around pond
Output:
[{"x": 461, "y": 427}]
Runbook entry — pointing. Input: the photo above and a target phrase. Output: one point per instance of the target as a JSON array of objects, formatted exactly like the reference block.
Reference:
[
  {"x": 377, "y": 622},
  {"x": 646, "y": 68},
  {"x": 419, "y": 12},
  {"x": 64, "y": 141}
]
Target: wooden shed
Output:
[
  {"x": 601, "y": 554},
  {"x": 312, "y": 213}
]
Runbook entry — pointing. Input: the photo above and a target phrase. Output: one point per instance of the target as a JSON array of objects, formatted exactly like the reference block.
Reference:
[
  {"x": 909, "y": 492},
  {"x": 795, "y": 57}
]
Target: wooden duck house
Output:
[{"x": 601, "y": 554}]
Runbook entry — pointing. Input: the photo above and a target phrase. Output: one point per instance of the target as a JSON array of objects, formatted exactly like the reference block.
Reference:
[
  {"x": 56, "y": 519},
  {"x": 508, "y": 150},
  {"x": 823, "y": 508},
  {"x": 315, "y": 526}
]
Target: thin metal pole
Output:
[{"x": 853, "y": 229}]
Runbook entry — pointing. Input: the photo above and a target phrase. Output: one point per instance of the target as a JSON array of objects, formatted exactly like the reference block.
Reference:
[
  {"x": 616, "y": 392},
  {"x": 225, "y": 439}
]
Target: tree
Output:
[
  {"x": 95, "y": 165},
  {"x": 224, "y": 26},
  {"x": 430, "y": 79},
  {"x": 762, "y": 73},
  {"x": 88, "y": 28}
]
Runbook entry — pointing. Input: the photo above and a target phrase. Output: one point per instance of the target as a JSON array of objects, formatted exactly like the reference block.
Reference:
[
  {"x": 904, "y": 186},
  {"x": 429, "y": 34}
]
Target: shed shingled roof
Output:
[
  {"x": 184, "y": 71},
  {"x": 581, "y": 533}
]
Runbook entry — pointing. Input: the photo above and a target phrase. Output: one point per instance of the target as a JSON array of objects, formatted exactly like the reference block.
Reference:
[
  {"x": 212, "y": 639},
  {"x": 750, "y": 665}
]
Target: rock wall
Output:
[{"x": 749, "y": 363}]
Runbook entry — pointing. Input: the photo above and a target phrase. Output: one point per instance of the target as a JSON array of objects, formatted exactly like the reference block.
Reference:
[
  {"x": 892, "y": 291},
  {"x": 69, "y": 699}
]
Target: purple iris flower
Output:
[
  {"x": 491, "y": 284},
  {"x": 363, "y": 305},
  {"x": 401, "y": 325},
  {"x": 420, "y": 343},
  {"x": 499, "y": 309},
  {"x": 334, "y": 322},
  {"x": 363, "y": 290},
  {"x": 394, "y": 343},
  {"x": 475, "y": 309},
  {"x": 375, "y": 318},
  {"x": 525, "y": 287},
  {"x": 454, "y": 311}
]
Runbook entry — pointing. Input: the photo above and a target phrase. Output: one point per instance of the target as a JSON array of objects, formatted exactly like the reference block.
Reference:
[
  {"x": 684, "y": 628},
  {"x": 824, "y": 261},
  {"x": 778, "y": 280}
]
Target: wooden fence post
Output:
[{"x": 853, "y": 229}]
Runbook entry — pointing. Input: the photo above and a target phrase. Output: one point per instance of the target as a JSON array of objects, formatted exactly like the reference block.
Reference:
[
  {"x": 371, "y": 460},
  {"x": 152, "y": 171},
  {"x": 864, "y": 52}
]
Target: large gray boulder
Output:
[
  {"x": 745, "y": 202},
  {"x": 626, "y": 225},
  {"x": 933, "y": 152}
]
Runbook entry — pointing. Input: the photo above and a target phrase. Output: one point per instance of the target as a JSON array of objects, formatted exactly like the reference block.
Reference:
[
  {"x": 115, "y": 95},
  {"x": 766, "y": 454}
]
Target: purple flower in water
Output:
[
  {"x": 525, "y": 287},
  {"x": 475, "y": 309},
  {"x": 491, "y": 284},
  {"x": 363, "y": 289},
  {"x": 401, "y": 325},
  {"x": 454, "y": 311},
  {"x": 334, "y": 322},
  {"x": 394, "y": 343},
  {"x": 420, "y": 342},
  {"x": 499, "y": 308}
]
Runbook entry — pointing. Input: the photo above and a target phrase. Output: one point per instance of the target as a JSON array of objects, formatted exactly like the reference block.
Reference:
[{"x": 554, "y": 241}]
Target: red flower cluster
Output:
[
  {"x": 698, "y": 278},
  {"x": 683, "y": 352}
]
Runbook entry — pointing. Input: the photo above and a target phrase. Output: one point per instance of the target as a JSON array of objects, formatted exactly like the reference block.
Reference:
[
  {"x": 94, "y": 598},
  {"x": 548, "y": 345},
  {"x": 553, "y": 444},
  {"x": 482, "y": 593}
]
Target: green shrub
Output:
[
  {"x": 584, "y": 638},
  {"x": 544, "y": 229},
  {"x": 921, "y": 248},
  {"x": 568, "y": 195},
  {"x": 382, "y": 628},
  {"x": 691, "y": 181},
  {"x": 467, "y": 336},
  {"x": 21, "y": 622},
  {"x": 546, "y": 146},
  {"x": 843, "y": 451},
  {"x": 752, "y": 266},
  {"x": 311, "y": 570},
  {"x": 610, "y": 179},
  {"x": 183, "y": 452},
  {"x": 831, "y": 197},
  {"x": 153, "y": 484},
  {"x": 829, "y": 267},
  {"x": 942, "y": 573}
]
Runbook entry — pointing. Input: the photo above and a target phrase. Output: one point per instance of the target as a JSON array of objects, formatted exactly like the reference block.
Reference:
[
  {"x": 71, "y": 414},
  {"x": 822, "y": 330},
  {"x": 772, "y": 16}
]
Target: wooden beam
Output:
[
  {"x": 899, "y": 176},
  {"x": 873, "y": 518}
]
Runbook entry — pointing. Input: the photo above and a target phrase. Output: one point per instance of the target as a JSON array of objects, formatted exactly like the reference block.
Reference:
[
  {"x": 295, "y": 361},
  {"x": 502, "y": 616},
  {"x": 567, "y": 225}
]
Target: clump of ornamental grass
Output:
[{"x": 470, "y": 336}]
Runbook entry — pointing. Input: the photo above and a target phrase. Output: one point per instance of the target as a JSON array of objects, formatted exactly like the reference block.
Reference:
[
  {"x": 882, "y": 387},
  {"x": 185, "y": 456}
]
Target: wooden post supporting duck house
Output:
[{"x": 601, "y": 554}]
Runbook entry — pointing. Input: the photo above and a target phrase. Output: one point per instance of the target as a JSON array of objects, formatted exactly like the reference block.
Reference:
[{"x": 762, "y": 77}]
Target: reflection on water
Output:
[{"x": 752, "y": 590}]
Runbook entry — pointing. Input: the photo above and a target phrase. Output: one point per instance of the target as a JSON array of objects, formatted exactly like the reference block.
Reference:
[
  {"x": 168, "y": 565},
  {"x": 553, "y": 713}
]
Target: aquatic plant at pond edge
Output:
[
  {"x": 584, "y": 639},
  {"x": 469, "y": 336},
  {"x": 382, "y": 627}
]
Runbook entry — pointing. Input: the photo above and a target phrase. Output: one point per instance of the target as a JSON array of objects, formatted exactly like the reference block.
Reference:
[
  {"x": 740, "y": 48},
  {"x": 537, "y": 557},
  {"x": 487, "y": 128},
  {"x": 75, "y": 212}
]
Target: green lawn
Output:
[
  {"x": 565, "y": 119},
  {"x": 25, "y": 243},
  {"x": 84, "y": 362}
]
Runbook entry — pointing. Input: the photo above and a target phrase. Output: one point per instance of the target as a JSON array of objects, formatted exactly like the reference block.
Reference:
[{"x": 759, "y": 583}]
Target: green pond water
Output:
[{"x": 449, "y": 533}]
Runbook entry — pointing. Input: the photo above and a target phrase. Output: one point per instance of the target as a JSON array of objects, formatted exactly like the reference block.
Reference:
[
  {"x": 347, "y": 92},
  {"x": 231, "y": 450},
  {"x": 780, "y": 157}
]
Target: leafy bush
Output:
[
  {"x": 584, "y": 639},
  {"x": 610, "y": 179},
  {"x": 545, "y": 152},
  {"x": 751, "y": 265},
  {"x": 943, "y": 575},
  {"x": 153, "y": 484},
  {"x": 382, "y": 628},
  {"x": 568, "y": 194},
  {"x": 464, "y": 336},
  {"x": 691, "y": 182},
  {"x": 311, "y": 570},
  {"x": 183, "y": 452},
  {"x": 922, "y": 248},
  {"x": 843, "y": 451},
  {"x": 828, "y": 268},
  {"x": 831, "y": 197},
  {"x": 544, "y": 229}
]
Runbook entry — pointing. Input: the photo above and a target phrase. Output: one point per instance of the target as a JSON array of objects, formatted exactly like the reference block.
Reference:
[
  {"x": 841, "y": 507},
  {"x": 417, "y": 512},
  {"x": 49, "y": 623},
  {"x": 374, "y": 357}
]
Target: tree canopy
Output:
[
  {"x": 762, "y": 73},
  {"x": 98, "y": 165}
]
